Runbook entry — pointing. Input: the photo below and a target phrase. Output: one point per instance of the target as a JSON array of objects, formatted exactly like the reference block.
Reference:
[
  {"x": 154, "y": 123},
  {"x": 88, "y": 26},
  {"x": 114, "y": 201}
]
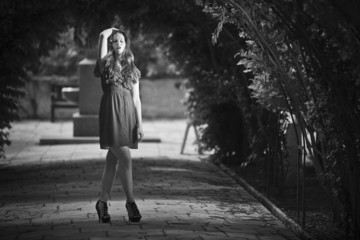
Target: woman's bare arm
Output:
[
  {"x": 137, "y": 103},
  {"x": 103, "y": 46}
]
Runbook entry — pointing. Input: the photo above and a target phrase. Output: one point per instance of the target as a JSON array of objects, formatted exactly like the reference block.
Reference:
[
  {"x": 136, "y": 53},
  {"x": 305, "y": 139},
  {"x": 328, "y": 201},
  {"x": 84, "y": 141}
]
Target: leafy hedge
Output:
[{"x": 304, "y": 59}]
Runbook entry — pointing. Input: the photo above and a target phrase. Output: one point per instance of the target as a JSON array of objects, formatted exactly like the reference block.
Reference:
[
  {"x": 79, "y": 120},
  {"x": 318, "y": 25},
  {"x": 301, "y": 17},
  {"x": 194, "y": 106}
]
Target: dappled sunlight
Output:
[{"x": 176, "y": 198}]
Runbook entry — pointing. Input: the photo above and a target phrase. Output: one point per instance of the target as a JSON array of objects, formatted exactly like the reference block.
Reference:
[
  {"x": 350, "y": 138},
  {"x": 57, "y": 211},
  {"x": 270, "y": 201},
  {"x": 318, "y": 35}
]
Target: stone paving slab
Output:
[
  {"x": 49, "y": 192},
  {"x": 178, "y": 199}
]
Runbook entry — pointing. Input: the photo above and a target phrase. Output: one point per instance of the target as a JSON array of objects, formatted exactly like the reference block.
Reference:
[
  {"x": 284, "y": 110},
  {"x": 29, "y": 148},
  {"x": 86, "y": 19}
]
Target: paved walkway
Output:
[{"x": 49, "y": 192}]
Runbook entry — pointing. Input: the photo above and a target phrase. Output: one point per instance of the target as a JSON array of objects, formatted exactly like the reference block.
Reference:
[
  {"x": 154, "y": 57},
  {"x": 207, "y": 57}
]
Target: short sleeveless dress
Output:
[{"x": 118, "y": 122}]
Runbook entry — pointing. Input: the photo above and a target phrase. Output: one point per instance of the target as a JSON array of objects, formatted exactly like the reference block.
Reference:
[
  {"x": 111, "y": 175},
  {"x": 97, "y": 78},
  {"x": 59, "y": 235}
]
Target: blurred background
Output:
[
  {"x": 273, "y": 86},
  {"x": 56, "y": 71}
]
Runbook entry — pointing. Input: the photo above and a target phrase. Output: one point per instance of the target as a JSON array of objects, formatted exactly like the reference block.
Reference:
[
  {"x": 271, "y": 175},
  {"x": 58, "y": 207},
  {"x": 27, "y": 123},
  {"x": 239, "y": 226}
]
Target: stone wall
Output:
[{"x": 160, "y": 99}]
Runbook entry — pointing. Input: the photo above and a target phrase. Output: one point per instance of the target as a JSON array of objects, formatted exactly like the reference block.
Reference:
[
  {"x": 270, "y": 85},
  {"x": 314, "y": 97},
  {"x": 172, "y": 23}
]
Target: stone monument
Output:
[{"x": 86, "y": 121}]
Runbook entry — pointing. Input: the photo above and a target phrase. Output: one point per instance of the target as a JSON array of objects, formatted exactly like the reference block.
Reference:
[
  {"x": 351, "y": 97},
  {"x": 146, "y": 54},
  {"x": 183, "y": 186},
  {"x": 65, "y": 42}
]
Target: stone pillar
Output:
[{"x": 86, "y": 121}]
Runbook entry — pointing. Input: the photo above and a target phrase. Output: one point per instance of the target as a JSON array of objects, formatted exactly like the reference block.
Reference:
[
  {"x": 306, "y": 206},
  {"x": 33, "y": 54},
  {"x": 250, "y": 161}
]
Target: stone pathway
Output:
[{"x": 52, "y": 196}]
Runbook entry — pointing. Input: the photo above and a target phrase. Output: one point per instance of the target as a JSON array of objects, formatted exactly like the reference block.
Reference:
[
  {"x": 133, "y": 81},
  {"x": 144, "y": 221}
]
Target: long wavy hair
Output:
[{"x": 121, "y": 69}]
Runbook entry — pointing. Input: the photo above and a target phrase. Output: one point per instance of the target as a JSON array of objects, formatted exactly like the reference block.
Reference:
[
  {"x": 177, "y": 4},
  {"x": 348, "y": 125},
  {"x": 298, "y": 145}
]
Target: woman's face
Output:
[{"x": 118, "y": 43}]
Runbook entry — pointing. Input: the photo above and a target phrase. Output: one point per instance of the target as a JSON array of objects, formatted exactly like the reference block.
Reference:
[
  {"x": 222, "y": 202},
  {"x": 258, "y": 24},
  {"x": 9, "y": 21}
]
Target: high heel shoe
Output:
[
  {"x": 133, "y": 212},
  {"x": 102, "y": 211}
]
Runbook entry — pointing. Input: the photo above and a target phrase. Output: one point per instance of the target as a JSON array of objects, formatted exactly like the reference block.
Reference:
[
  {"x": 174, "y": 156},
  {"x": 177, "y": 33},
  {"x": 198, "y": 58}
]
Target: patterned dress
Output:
[{"x": 117, "y": 115}]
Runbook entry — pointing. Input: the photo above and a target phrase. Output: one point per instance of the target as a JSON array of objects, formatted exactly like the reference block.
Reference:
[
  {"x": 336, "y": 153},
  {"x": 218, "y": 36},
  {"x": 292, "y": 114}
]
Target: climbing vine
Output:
[{"x": 300, "y": 58}]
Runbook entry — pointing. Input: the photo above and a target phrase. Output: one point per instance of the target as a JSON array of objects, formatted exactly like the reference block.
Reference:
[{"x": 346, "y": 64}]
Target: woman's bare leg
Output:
[
  {"x": 109, "y": 175},
  {"x": 125, "y": 170}
]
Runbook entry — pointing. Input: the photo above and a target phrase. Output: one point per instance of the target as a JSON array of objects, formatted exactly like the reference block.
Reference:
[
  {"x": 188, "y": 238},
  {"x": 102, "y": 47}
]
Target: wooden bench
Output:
[{"x": 57, "y": 97}]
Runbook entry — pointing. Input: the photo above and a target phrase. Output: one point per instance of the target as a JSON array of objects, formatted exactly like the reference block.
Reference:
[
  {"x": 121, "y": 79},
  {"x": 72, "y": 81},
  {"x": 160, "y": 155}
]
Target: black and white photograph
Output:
[{"x": 180, "y": 119}]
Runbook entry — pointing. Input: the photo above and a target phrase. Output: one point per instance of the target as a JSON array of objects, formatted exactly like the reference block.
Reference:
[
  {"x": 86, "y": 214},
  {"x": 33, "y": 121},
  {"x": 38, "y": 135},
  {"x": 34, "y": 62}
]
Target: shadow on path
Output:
[{"x": 178, "y": 199}]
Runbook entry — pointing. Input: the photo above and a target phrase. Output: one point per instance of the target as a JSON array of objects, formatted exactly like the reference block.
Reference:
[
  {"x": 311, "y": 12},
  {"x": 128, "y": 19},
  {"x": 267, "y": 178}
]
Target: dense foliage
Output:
[
  {"x": 27, "y": 32},
  {"x": 63, "y": 59},
  {"x": 304, "y": 59}
]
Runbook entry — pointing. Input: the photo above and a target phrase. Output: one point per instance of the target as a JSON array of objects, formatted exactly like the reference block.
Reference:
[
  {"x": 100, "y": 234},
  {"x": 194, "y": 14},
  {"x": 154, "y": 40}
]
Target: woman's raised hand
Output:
[{"x": 107, "y": 32}]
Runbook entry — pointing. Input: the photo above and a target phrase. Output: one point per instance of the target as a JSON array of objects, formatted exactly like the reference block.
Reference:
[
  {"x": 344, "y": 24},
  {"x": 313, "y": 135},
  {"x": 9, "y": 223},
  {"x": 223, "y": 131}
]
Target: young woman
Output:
[{"x": 119, "y": 117}]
